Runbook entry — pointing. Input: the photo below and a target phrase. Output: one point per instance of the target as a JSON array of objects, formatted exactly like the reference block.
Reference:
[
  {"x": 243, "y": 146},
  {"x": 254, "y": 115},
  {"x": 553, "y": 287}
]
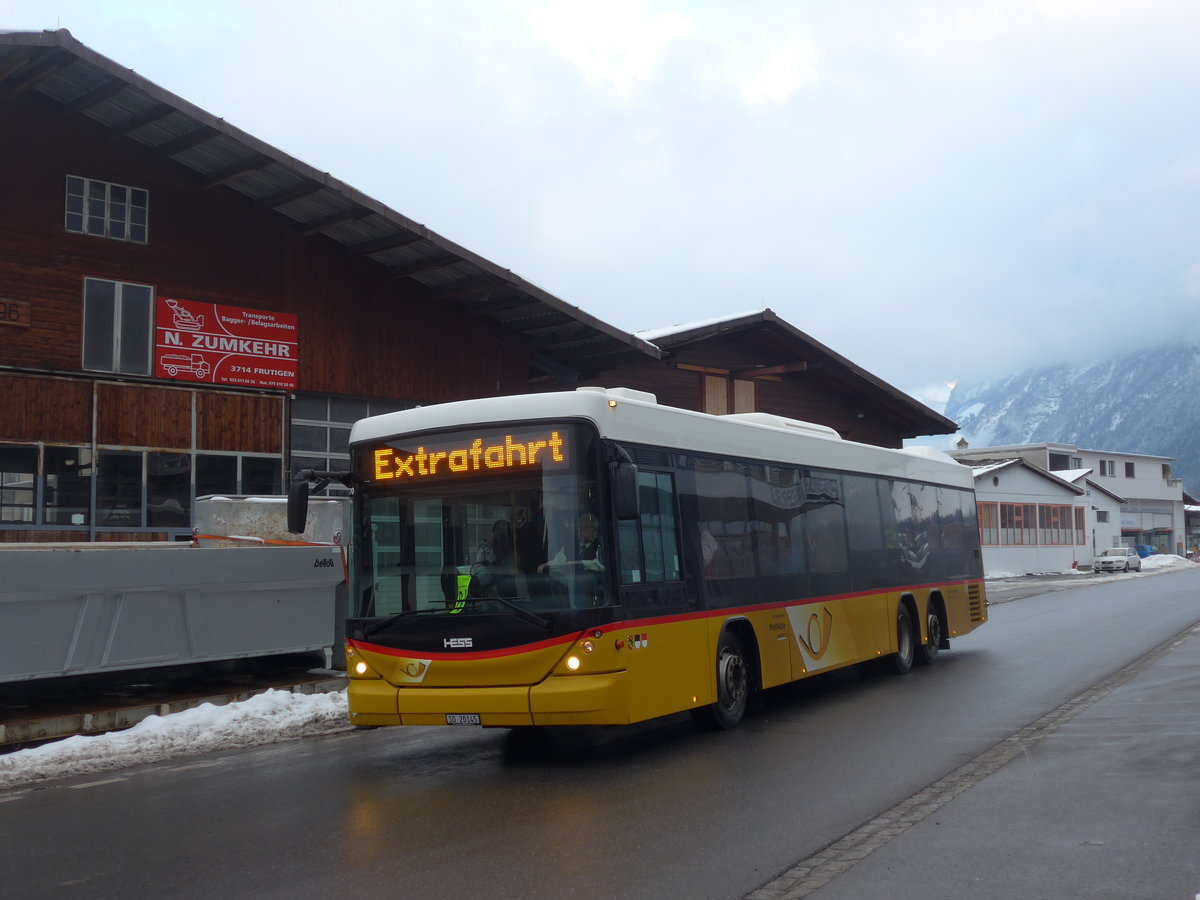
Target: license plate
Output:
[{"x": 462, "y": 718}]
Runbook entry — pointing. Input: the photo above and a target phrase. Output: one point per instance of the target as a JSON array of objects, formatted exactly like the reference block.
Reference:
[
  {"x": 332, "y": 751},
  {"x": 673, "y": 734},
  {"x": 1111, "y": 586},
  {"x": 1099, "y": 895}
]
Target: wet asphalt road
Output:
[{"x": 652, "y": 811}]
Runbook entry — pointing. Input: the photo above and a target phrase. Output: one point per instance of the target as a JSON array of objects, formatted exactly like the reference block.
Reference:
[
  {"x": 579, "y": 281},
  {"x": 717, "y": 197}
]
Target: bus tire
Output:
[
  {"x": 733, "y": 685},
  {"x": 902, "y": 659},
  {"x": 928, "y": 653}
]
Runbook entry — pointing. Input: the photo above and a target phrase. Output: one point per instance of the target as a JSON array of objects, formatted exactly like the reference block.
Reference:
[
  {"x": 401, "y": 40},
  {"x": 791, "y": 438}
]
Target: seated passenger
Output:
[{"x": 494, "y": 561}]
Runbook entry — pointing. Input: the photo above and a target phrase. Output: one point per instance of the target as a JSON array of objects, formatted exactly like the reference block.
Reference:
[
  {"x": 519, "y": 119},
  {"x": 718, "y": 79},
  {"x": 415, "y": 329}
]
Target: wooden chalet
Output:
[
  {"x": 186, "y": 310},
  {"x": 757, "y": 362}
]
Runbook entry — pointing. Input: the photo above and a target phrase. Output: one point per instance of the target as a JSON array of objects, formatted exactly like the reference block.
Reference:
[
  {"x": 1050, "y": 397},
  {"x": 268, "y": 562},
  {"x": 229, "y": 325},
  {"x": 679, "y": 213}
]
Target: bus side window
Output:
[{"x": 649, "y": 545}]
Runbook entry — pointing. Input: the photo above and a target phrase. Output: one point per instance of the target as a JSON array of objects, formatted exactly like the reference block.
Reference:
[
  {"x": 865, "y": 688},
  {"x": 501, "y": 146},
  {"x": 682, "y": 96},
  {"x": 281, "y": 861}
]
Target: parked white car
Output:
[{"x": 1118, "y": 559}]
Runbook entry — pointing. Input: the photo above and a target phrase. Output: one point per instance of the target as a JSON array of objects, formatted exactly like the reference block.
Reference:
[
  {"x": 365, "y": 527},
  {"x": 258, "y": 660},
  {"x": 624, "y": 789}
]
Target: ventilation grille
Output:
[{"x": 976, "y": 603}]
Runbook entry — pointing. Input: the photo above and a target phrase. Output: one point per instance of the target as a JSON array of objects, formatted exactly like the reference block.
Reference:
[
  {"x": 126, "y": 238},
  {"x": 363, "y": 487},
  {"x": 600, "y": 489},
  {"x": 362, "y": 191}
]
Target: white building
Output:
[
  {"x": 1030, "y": 520},
  {"x": 1103, "y": 516},
  {"x": 1152, "y": 508}
]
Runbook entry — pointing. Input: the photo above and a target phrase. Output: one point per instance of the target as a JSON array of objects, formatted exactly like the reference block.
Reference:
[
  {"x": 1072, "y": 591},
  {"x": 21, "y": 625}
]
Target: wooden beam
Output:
[
  {"x": 706, "y": 370},
  {"x": 153, "y": 114},
  {"x": 293, "y": 193},
  {"x": 334, "y": 219},
  {"x": 764, "y": 371},
  {"x": 424, "y": 265},
  {"x": 387, "y": 242},
  {"x": 219, "y": 177},
  {"x": 184, "y": 142},
  {"x": 94, "y": 96},
  {"x": 30, "y": 76}
]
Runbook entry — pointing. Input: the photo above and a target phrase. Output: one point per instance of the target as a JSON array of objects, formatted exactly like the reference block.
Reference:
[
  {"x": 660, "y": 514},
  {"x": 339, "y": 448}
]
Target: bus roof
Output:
[{"x": 636, "y": 417}]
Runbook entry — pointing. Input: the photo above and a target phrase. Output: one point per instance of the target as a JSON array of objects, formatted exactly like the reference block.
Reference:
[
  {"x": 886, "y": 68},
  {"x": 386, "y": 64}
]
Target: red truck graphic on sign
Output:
[{"x": 175, "y": 363}]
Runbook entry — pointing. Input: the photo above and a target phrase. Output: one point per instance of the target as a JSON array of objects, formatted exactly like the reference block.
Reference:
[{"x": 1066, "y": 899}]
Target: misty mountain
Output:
[{"x": 1146, "y": 401}]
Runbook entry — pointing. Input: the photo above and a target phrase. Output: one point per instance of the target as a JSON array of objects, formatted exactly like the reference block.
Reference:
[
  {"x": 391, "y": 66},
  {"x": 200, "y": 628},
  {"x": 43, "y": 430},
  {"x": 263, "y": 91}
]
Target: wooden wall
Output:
[{"x": 361, "y": 333}]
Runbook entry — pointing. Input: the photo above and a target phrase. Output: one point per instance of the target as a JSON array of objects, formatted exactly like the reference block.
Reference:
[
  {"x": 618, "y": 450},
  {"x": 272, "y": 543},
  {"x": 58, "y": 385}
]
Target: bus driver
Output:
[{"x": 587, "y": 555}]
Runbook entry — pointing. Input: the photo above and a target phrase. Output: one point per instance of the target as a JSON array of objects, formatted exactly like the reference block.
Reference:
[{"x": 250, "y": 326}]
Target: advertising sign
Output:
[{"x": 216, "y": 344}]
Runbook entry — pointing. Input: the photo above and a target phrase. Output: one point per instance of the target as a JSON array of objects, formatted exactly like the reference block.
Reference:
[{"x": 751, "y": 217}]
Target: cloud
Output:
[{"x": 937, "y": 189}]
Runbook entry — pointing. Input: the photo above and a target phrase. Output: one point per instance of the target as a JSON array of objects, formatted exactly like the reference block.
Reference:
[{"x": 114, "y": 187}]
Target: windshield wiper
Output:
[
  {"x": 523, "y": 614},
  {"x": 392, "y": 619}
]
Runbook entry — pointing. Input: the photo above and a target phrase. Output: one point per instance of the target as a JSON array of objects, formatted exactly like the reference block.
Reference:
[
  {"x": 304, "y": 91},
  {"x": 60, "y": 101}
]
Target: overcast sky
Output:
[{"x": 939, "y": 191}]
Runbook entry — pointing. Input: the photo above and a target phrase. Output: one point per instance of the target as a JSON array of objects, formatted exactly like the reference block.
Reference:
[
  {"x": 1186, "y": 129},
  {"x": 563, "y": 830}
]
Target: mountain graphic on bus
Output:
[{"x": 174, "y": 363}]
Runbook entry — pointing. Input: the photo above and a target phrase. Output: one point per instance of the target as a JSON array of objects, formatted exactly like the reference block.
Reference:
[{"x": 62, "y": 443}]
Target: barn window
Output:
[
  {"x": 107, "y": 210},
  {"x": 117, "y": 325}
]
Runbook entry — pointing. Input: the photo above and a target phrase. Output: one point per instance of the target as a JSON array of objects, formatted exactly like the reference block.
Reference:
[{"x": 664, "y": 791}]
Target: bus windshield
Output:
[{"x": 487, "y": 520}]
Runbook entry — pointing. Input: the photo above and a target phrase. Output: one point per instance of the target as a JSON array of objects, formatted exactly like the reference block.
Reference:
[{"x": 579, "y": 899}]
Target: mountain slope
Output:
[{"x": 1142, "y": 402}]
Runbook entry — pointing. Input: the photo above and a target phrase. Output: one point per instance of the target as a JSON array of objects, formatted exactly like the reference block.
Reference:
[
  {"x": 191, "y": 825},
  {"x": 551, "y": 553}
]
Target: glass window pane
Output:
[
  {"x": 66, "y": 485},
  {"x": 74, "y": 185},
  {"x": 310, "y": 438},
  {"x": 18, "y": 468},
  {"x": 169, "y": 489},
  {"x": 346, "y": 409},
  {"x": 119, "y": 489},
  {"x": 262, "y": 475},
  {"x": 99, "y": 316},
  {"x": 339, "y": 440},
  {"x": 311, "y": 406},
  {"x": 135, "y": 329},
  {"x": 216, "y": 475},
  {"x": 378, "y": 407}
]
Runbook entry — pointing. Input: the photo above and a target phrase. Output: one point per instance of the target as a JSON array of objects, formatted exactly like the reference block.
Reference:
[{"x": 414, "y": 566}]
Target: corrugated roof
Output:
[{"x": 567, "y": 341}]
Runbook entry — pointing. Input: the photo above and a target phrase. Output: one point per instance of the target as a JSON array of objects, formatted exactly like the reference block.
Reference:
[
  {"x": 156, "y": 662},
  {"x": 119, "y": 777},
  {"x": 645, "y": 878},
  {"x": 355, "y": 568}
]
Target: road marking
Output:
[
  {"x": 827, "y": 864},
  {"x": 198, "y": 765},
  {"x": 88, "y": 784}
]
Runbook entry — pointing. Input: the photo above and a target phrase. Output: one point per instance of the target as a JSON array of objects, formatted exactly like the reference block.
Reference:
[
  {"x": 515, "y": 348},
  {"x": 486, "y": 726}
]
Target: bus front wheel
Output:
[
  {"x": 902, "y": 659},
  {"x": 733, "y": 685}
]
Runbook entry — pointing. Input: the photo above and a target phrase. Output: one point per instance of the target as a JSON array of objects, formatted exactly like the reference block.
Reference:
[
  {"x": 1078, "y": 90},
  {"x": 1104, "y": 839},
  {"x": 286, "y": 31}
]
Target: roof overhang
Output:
[
  {"x": 566, "y": 342},
  {"x": 797, "y": 352}
]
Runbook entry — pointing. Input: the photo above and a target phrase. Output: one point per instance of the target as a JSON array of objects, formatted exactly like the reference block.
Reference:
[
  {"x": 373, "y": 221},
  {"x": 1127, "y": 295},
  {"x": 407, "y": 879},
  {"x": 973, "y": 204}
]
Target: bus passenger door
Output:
[{"x": 666, "y": 650}]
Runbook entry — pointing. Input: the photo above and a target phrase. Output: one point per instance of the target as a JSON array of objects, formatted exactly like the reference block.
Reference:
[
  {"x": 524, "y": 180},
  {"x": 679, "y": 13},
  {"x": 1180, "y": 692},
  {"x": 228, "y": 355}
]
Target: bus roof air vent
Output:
[
  {"x": 810, "y": 428},
  {"x": 623, "y": 393}
]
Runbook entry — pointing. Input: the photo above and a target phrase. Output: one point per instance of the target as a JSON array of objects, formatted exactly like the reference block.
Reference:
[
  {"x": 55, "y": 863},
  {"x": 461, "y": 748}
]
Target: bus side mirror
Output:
[
  {"x": 625, "y": 490},
  {"x": 297, "y": 502}
]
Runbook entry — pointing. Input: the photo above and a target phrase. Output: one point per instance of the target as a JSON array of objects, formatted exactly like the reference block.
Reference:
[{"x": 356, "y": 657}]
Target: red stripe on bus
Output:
[{"x": 627, "y": 624}]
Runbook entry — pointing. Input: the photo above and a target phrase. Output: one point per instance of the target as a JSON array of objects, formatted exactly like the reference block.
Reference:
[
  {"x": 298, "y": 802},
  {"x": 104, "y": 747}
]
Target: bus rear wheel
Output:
[
  {"x": 733, "y": 685},
  {"x": 933, "y": 624},
  {"x": 902, "y": 659}
]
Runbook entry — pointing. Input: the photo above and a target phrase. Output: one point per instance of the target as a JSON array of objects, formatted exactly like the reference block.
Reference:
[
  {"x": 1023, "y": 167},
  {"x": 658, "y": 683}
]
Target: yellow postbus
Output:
[{"x": 594, "y": 557}]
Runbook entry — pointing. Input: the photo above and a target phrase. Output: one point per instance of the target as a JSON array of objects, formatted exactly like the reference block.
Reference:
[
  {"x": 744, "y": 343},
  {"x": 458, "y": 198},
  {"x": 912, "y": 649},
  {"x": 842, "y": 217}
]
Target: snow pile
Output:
[
  {"x": 262, "y": 719},
  {"x": 1165, "y": 561}
]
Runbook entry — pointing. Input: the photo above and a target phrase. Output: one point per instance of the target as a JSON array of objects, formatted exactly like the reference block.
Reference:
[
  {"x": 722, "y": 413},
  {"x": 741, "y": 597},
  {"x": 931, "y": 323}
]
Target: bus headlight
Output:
[
  {"x": 360, "y": 667},
  {"x": 573, "y": 663}
]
